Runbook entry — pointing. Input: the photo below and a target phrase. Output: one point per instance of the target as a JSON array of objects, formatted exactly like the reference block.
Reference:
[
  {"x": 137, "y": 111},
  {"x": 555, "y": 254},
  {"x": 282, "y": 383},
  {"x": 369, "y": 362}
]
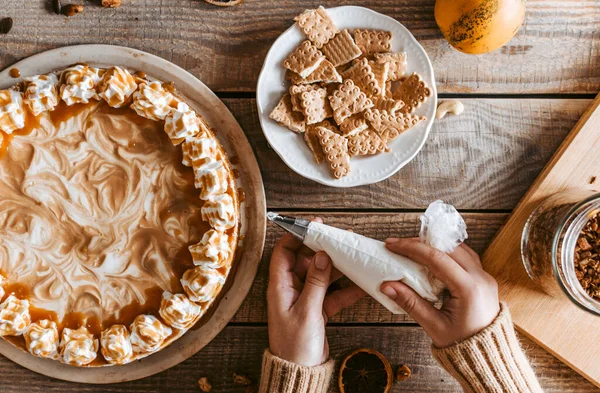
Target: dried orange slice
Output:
[{"x": 365, "y": 371}]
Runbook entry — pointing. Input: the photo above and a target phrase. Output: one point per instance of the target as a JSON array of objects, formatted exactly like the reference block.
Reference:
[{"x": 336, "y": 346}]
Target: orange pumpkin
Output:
[{"x": 479, "y": 26}]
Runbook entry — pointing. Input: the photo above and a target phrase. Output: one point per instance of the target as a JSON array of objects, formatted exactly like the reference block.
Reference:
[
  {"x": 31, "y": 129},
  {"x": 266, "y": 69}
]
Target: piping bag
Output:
[{"x": 368, "y": 263}]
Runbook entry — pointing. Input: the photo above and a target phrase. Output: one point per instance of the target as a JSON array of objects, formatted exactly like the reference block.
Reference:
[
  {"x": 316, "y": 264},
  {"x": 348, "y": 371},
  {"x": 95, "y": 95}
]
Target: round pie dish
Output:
[
  {"x": 133, "y": 218},
  {"x": 289, "y": 145}
]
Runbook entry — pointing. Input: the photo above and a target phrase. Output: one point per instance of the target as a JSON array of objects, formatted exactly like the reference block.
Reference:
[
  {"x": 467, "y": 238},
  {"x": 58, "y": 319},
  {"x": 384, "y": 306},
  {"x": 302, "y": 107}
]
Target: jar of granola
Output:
[{"x": 560, "y": 247}]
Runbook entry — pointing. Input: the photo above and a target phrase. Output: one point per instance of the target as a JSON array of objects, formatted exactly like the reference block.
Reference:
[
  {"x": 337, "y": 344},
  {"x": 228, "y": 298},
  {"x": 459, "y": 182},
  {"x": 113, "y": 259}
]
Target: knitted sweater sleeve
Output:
[
  {"x": 281, "y": 376},
  {"x": 492, "y": 361}
]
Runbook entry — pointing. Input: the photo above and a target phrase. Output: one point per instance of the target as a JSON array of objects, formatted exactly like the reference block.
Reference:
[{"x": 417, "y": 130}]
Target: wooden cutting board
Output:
[{"x": 570, "y": 334}]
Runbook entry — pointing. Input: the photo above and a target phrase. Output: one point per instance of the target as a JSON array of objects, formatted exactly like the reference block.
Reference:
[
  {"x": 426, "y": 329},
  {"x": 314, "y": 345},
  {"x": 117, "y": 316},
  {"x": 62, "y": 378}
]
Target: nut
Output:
[
  {"x": 451, "y": 106},
  {"x": 111, "y": 3},
  {"x": 402, "y": 373},
  {"x": 240, "y": 379},
  {"x": 204, "y": 385},
  {"x": 5, "y": 25},
  {"x": 72, "y": 9}
]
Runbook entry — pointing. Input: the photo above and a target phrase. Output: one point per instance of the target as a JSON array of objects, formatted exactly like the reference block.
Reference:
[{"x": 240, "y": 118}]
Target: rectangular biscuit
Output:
[
  {"x": 335, "y": 150},
  {"x": 397, "y": 64},
  {"x": 373, "y": 41},
  {"x": 317, "y": 25},
  {"x": 341, "y": 49},
  {"x": 304, "y": 59},
  {"x": 285, "y": 115},
  {"x": 325, "y": 73},
  {"x": 315, "y": 105}
]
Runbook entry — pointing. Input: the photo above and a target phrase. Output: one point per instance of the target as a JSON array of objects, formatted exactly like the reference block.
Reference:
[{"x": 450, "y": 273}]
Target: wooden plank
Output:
[
  {"x": 481, "y": 228},
  {"x": 484, "y": 159},
  {"x": 556, "y": 51},
  {"x": 240, "y": 349},
  {"x": 569, "y": 168}
]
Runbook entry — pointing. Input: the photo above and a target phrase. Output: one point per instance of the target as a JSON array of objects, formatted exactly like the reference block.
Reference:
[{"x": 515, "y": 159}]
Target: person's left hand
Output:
[{"x": 298, "y": 303}]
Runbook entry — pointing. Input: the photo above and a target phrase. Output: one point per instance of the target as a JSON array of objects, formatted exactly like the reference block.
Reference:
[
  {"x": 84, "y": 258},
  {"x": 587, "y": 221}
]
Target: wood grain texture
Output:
[
  {"x": 555, "y": 51},
  {"x": 485, "y": 158},
  {"x": 240, "y": 349},
  {"x": 481, "y": 227},
  {"x": 569, "y": 168}
]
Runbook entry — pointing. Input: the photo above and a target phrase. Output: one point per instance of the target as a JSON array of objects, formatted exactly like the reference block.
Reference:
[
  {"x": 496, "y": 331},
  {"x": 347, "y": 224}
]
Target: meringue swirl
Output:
[
  {"x": 212, "y": 177},
  {"x": 41, "y": 339},
  {"x": 2, "y": 279},
  {"x": 197, "y": 148},
  {"x": 152, "y": 101},
  {"x": 148, "y": 333},
  {"x": 41, "y": 94},
  {"x": 12, "y": 115},
  {"x": 202, "y": 284},
  {"x": 181, "y": 123},
  {"x": 78, "y": 347},
  {"x": 116, "y": 87},
  {"x": 116, "y": 345},
  {"x": 213, "y": 251},
  {"x": 178, "y": 311},
  {"x": 14, "y": 316},
  {"x": 80, "y": 84},
  {"x": 220, "y": 212}
]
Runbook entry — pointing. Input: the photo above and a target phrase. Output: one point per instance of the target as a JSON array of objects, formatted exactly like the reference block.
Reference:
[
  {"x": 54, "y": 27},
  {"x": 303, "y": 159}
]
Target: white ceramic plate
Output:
[
  {"x": 252, "y": 211},
  {"x": 290, "y": 146}
]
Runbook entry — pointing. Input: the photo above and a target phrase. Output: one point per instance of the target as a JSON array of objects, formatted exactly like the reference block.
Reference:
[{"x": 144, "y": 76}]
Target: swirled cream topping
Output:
[
  {"x": 78, "y": 347},
  {"x": 212, "y": 177},
  {"x": 152, "y": 101},
  {"x": 219, "y": 211},
  {"x": 202, "y": 284},
  {"x": 178, "y": 311},
  {"x": 80, "y": 84},
  {"x": 14, "y": 316},
  {"x": 41, "y": 94},
  {"x": 213, "y": 251},
  {"x": 116, "y": 87},
  {"x": 12, "y": 114},
  {"x": 2, "y": 279},
  {"x": 41, "y": 339},
  {"x": 148, "y": 333},
  {"x": 181, "y": 123},
  {"x": 116, "y": 345},
  {"x": 198, "y": 147},
  {"x": 95, "y": 211}
]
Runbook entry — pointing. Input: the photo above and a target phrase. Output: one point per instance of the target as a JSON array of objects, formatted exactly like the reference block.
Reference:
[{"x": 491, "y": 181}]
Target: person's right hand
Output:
[{"x": 473, "y": 304}]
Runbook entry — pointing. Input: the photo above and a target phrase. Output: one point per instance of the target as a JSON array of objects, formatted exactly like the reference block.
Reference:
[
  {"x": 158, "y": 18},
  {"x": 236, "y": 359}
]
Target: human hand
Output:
[
  {"x": 298, "y": 303},
  {"x": 473, "y": 304}
]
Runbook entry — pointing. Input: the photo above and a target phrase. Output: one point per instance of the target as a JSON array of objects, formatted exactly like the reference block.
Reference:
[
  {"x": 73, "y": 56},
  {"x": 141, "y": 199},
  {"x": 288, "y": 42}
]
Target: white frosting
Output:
[
  {"x": 14, "y": 316},
  {"x": 80, "y": 84},
  {"x": 41, "y": 94},
  {"x": 78, "y": 347},
  {"x": 152, "y": 101},
  {"x": 211, "y": 177},
  {"x": 213, "y": 251},
  {"x": 116, "y": 87},
  {"x": 181, "y": 123},
  {"x": 202, "y": 284},
  {"x": 41, "y": 339},
  {"x": 178, "y": 311},
  {"x": 116, "y": 345},
  {"x": 368, "y": 263},
  {"x": 148, "y": 333},
  {"x": 219, "y": 211},
  {"x": 197, "y": 148},
  {"x": 1, "y": 276},
  {"x": 12, "y": 115}
]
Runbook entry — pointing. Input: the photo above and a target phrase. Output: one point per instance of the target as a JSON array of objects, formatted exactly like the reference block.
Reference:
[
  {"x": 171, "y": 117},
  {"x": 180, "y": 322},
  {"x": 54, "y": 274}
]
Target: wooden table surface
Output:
[{"x": 520, "y": 101}]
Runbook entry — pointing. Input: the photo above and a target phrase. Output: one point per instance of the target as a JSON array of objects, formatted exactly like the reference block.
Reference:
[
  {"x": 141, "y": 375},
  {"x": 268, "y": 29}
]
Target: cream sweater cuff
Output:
[
  {"x": 281, "y": 376},
  {"x": 491, "y": 361}
]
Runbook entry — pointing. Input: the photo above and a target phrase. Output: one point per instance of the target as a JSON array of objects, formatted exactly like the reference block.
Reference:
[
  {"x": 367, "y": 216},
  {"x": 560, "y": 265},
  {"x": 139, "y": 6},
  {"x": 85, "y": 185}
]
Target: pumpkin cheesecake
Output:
[{"x": 118, "y": 216}]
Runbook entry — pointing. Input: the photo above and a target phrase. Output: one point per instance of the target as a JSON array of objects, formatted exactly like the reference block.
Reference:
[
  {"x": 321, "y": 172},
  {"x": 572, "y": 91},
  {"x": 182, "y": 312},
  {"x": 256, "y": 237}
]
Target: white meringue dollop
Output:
[
  {"x": 14, "y": 316},
  {"x": 148, "y": 333},
  {"x": 211, "y": 177},
  {"x": 117, "y": 86},
  {"x": 41, "y": 94},
  {"x": 1, "y": 276},
  {"x": 197, "y": 148},
  {"x": 12, "y": 114},
  {"x": 80, "y": 83},
  {"x": 213, "y": 251},
  {"x": 219, "y": 211},
  {"x": 202, "y": 284},
  {"x": 41, "y": 339},
  {"x": 178, "y": 310},
  {"x": 152, "y": 101},
  {"x": 181, "y": 123},
  {"x": 78, "y": 347},
  {"x": 116, "y": 345}
]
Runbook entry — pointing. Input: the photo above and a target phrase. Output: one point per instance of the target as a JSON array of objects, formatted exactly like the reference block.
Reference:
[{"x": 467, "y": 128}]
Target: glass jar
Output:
[{"x": 549, "y": 240}]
